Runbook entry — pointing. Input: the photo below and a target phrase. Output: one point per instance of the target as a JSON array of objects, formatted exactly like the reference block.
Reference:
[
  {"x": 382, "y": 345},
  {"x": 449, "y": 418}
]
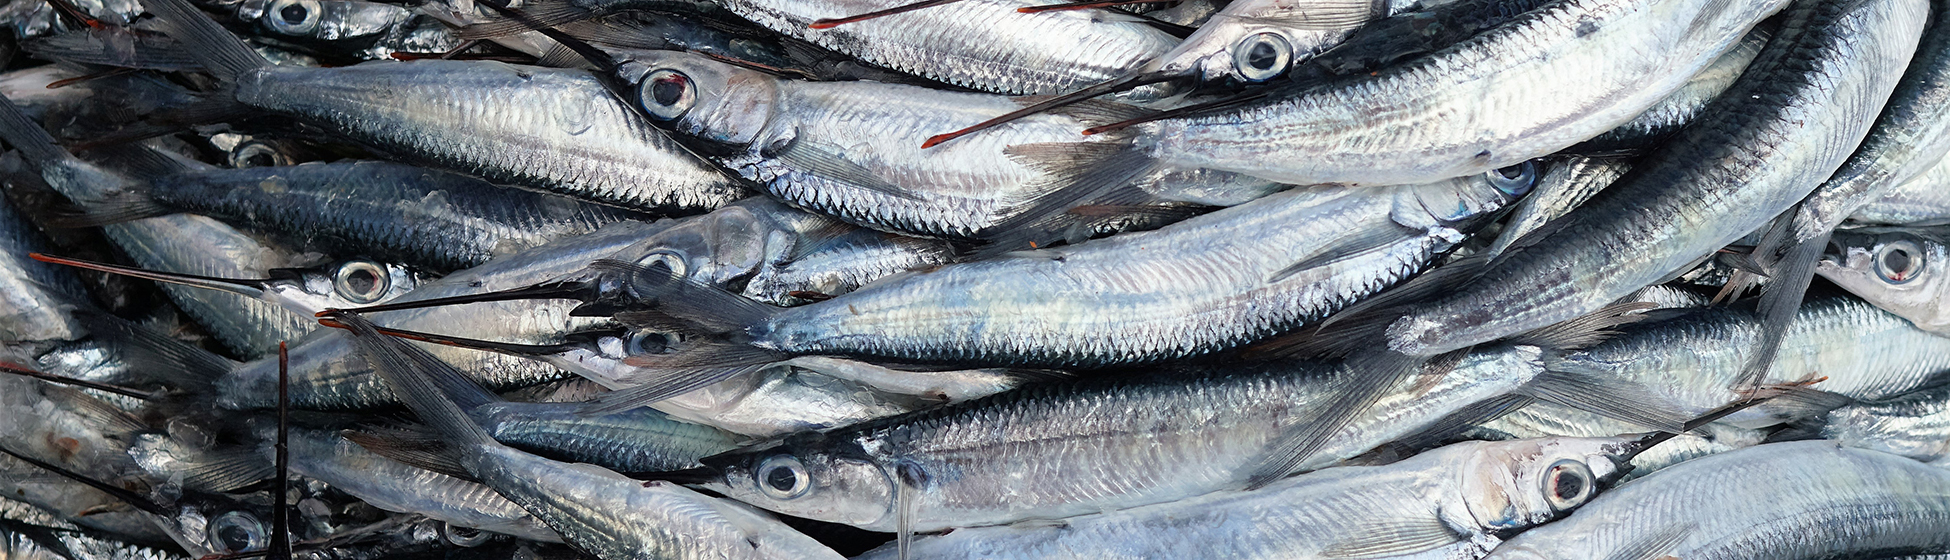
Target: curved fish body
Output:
[
  {"x": 977, "y": 44},
  {"x": 555, "y": 130},
  {"x": 326, "y": 373},
  {"x": 385, "y": 210},
  {"x": 35, "y": 297},
  {"x": 1693, "y": 362},
  {"x": 845, "y": 264},
  {"x": 1804, "y": 104},
  {"x": 1450, "y": 113},
  {"x": 1683, "y": 106},
  {"x": 641, "y": 440},
  {"x": 1798, "y": 500},
  {"x": 1448, "y": 503},
  {"x": 1541, "y": 420},
  {"x": 1205, "y": 284},
  {"x": 397, "y": 487},
  {"x": 853, "y": 149},
  {"x": 1915, "y": 425},
  {"x": 1924, "y": 200},
  {"x": 1903, "y": 271},
  {"x": 1059, "y": 450},
  {"x": 1568, "y": 184}
]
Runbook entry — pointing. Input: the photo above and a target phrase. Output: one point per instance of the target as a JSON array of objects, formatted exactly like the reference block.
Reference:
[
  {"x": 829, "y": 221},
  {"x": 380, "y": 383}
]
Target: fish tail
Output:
[{"x": 222, "y": 53}]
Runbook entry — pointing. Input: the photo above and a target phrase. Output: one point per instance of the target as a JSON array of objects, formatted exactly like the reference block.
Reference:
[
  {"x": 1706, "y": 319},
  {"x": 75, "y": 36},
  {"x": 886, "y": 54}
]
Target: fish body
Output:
[
  {"x": 1923, "y": 200},
  {"x": 397, "y": 487},
  {"x": 1808, "y": 499}
]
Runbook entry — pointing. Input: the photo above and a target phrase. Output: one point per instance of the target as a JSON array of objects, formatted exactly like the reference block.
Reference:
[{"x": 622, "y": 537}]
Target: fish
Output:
[
  {"x": 555, "y": 130},
  {"x": 1911, "y": 424},
  {"x": 1899, "y": 270},
  {"x": 1916, "y": 202},
  {"x": 1452, "y": 502},
  {"x": 598, "y": 510},
  {"x": 1683, "y": 106},
  {"x": 1807, "y": 499}
]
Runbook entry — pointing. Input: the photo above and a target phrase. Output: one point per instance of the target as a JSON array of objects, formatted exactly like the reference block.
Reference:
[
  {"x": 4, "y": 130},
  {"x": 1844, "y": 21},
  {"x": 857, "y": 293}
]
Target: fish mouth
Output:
[{"x": 247, "y": 287}]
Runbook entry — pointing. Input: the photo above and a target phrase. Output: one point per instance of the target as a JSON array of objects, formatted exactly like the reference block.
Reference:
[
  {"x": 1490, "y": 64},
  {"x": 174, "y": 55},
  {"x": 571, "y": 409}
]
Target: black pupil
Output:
[
  {"x": 361, "y": 281},
  {"x": 1263, "y": 56},
  {"x": 259, "y": 159},
  {"x": 666, "y": 91},
  {"x": 293, "y": 14},
  {"x": 1568, "y": 485},
  {"x": 781, "y": 479},
  {"x": 1511, "y": 172},
  {"x": 1897, "y": 260},
  {"x": 235, "y": 537}
]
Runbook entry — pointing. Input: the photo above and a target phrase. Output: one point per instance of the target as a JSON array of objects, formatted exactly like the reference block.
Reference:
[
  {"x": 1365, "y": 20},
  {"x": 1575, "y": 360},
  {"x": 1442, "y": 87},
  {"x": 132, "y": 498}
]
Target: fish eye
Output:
[
  {"x": 1514, "y": 180},
  {"x": 647, "y": 342},
  {"x": 361, "y": 281},
  {"x": 1262, "y": 56},
  {"x": 783, "y": 477},
  {"x": 464, "y": 536},
  {"x": 1899, "y": 262},
  {"x": 666, "y": 94},
  {"x": 1568, "y": 484},
  {"x": 237, "y": 531},
  {"x": 293, "y": 17},
  {"x": 257, "y": 154}
]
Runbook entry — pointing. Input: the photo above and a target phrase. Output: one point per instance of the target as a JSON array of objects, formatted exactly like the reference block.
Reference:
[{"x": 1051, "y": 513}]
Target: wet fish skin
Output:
[
  {"x": 992, "y": 48},
  {"x": 1803, "y": 105},
  {"x": 396, "y": 487},
  {"x": 340, "y": 28},
  {"x": 1914, "y": 425},
  {"x": 1543, "y": 419},
  {"x": 1683, "y": 106},
  {"x": 1124, "y": 299},
  {"x": 1041, "y": 451},
  {"x": 641, "y": 440},
  {"x": 78, "y": 432},
  {"x": 35, "y": 297},
  {"x": 1810, "y": 499},
  {"x": 1568, "y": 184},
  {"x": 1920, "y": 201},
  {"x": 847, "y": 263},
  {"x": 1361, "y": 131},
  {"x": 1863, "y": 352},
  {"x": 385, "y": 210},
  {"x": 1900, "y": 270},
  {"x": 1469, "y": 492}
]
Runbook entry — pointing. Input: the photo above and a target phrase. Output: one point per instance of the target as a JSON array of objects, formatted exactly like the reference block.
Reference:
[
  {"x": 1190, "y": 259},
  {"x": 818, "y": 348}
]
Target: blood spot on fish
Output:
[{"x": 68, "y": 447}]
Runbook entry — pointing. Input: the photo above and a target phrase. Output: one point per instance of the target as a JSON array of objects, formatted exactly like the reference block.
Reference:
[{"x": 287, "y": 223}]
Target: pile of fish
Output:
[{"x": 958, "y": 279}]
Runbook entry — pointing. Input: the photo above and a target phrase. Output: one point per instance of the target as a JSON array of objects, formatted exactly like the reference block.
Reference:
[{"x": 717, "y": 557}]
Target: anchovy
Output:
[
  {"x": 598, "y": 510},
  {"x": 852, "y": 149},
  {"x": 1902, "y": 271},
  {"x": 393, "y": 486},
  {"x": 1054, "y": 451},
  {"x": 1447, "y": 109},
  {"x": 1683, "y": 106},
  {"x": 1206, "y": 284},
  {"x": 554, "y": 130},
  {"x": 1799, "y": 500},
  {"x": 1451, "y": 502},
  {"x": 379, "y": 209}
]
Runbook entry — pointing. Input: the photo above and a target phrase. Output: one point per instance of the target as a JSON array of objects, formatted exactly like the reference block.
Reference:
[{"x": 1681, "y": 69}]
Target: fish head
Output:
[
  {"x": 1464, "y": 201},
  {"x": 1255, "y": 41},
  {"x": 1905, "y": 271},
  {"x": 1513, "y": 485},
  {"x": 339, "y": 285},
  {"x": 720, "y": 248},
  {"x": 808, "y": 475},
  {"x": 326, "y": 20},
  {"x": 702, "y": 97}
]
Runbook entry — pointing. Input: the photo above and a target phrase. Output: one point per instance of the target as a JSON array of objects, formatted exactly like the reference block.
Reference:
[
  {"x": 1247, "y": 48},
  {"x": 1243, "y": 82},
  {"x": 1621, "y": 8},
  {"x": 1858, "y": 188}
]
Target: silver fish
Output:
[
  {"x": 1914, "y": 425},
  {"x": 35, "y": 297},
  {"x": 1540, "y": 420},
  {"x": 842, "y": 265},
  {"x": 555, "y": 130},
  {"x": 1044, "y": 452},
  {"x": 1683, "y": 106},
  {"x": 1449, "y": 109},
  {"x": 365, "y": 30},
  {"x": 393, "y": 486},
  {"x": 1812, "y": 499},
  {"x": 1564, "y": 187},
  {"x": 599, "y": 511},
  {"x": 1920, "y": 201},
  {"x": 72, "y": 430},
  {"x": 1451, "y": 502},
  {"x": 1901, "y": 271}
]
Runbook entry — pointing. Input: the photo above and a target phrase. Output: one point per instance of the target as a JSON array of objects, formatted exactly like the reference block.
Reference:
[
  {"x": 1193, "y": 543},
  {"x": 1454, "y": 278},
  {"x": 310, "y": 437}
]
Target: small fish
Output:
[{"x": 1920, "y": 201}]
